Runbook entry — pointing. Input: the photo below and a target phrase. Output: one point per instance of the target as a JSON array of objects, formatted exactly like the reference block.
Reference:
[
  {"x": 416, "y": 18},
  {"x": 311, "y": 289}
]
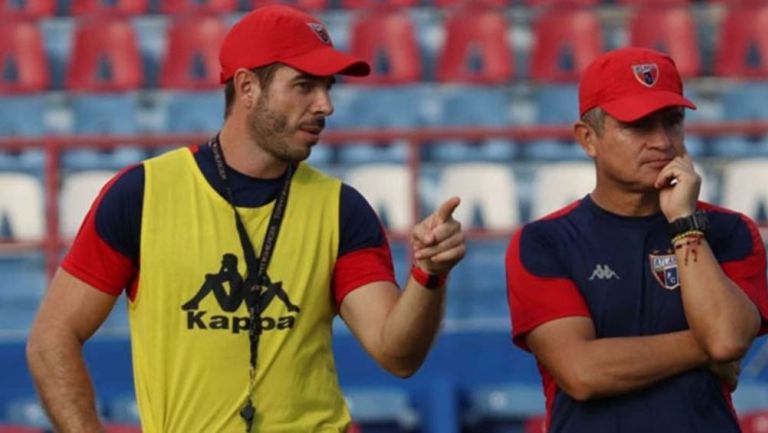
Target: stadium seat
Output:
[
  {"x": 15, "y": 9},
  {"x": 750, "y": 396},
  {"x": 658, "y": 4},
  {"x": 505, "y": 402},
  {"x": 488, "y": 191},
  {"x": 478, "y": 296},
  {"x": 19, "y": 429},
  {"x": 105, "y": 57},
  {"x": 558, "y": 184},
  {"x": 307, "y": 5},
  {"x": 381, "y": 406},
  {"x": 535, "y": 424},
  {"x": 555, "y": 104},
  {"x": 745, "y": 187},
  {"x": 22, "y": 205},
  {"x": 562, "y": 3},
  {"x": 192, "y": 57},
  {"x": 189, "y": 112},
  {"x": 197, "y": 7},
  {"x": 386, "y": 39},
  {"x": 477, "y": 48},
  {"x": 671, "y": 30},
  {"x": 742, "y": 45},
  {"x": 78, "y": 191},
  {"x": 108, "y": 8},
  {"x": 23, "y": 62},
  {"x": 744, "y": 101},
  {"x": 22, "y": 115},
  {"x": 28, "y": 412},
  {"x": 104, "y": 114},
  {"x": 463, "y": 3},
  {"x": 389, "y": 190},
  {"x": 122, "y": 409},
  {"x": 377, "y": 107},
  {"x": 473, "y": 106},
  {"x": 21, "y": 289},
  {"x": 373, "y": 4},
  {"x": 565, "y": 42}
]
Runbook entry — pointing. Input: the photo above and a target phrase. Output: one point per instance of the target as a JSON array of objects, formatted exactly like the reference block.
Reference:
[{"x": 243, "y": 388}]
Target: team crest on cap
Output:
[
  {"x": 664, "y": 268},
  {"x": 320, "y": 32},
  {"x": 647, "y": 74}
]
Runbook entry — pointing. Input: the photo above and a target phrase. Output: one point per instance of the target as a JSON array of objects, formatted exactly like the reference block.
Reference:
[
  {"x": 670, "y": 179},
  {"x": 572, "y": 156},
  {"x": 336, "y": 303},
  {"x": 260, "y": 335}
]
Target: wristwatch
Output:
[{"x": 698, "y": 221}]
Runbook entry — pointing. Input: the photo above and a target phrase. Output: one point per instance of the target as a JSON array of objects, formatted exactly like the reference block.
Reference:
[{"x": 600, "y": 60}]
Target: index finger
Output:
[{"x": 445, "y": 211}]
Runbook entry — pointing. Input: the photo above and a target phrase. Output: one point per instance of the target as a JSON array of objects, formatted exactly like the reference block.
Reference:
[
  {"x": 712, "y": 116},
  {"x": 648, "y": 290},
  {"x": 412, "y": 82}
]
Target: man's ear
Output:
[
  {"x": 247, "y": 89},
  {"x": 586, "y": 136}
]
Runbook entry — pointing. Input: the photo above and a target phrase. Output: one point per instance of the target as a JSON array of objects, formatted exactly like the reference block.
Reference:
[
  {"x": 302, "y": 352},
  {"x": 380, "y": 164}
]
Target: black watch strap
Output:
[{"x": 698, "y": 221}]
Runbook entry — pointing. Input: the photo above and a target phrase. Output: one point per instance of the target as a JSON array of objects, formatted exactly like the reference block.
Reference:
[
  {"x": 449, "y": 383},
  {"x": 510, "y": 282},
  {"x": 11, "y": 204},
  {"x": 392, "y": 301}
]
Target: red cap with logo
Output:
[
  {"x": 280, "y": 34},
  {"x": 631, "y": 83}
]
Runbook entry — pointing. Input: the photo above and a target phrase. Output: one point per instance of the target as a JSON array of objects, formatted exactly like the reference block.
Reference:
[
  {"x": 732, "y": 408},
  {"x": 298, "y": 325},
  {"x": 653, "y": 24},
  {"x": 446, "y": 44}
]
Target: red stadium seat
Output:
[
  {"x": 561, "y": 3},
  {"x": 565, "y": 42},
  {"x": 192, "y": 57},
  {"x": 105, "y": 57},
  {"x": 20, "y": 429},
  {"x": 670, "y": 30},
  {"x": 372, "y": 4},
  {"x": 198, "y": 6},
  {"x": 754, "y": 422},
  {"x": 109, "y": 7},
  {"x": 307, "y": 5},
  {"x": 476, "y": 49},
  {"x": 23, "y": 63},
  {"x": 14, "y": 9},
  {"x": 655, "y": 3},
  {"x": 386, "y": 39},
  {"x": 742, "y": 48},
  {"x": 463, "y": 3}
]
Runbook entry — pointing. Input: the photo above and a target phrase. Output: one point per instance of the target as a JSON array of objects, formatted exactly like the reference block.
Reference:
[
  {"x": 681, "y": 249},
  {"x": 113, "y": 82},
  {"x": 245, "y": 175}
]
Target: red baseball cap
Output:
[
  {"x": 280, "y": 34},
  {"x": 630, "y": 83}
]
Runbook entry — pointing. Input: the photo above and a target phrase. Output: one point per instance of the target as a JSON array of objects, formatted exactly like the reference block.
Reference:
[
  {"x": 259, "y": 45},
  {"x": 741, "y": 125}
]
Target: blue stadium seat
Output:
[
  {"x": 504, "y": 407},
  {"x": 22, "y": 116},
  {"x": 743, "y": 102},
  {"x": 27, "y": 411},
  {"x": 104, "y": 114},
  {"x": 21, "y": 289},
  {"x": 192, "y": 112},
  {"x": 555, "y": 105},
  {"x": 123, "y": 409},
  {"x": 381, "y": 409},
  {"x": 473, "y": 106},
  {"x": 378, "y": 108},
  {"x": 477, "y": 286}
]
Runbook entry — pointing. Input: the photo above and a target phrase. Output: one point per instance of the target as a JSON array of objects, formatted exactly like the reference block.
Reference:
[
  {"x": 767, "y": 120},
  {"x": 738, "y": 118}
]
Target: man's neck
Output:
[
  {"x": 246, "y": 156},
  {"x": 626, "y": 203}
]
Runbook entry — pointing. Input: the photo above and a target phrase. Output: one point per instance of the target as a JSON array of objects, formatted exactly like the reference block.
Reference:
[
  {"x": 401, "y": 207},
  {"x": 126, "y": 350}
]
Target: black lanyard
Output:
[{"x": 257, "y": 267}]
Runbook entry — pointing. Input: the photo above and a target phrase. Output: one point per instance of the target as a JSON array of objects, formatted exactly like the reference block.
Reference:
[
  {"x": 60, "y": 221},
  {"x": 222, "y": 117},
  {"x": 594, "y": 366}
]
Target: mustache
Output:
[{"x": 318, "y": 122}]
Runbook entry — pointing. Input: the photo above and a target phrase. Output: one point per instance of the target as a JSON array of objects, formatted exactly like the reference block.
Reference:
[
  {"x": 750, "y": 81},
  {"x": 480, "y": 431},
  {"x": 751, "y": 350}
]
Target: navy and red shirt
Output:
[
  {"x": 621, "y": 272},
  {"x": 105, "y": 253}
]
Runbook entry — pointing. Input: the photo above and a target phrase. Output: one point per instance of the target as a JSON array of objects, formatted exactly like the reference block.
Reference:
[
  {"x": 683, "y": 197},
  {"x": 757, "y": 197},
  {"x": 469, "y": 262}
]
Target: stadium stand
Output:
[
  {"x": 308, "y": 5},
  {"x": 111, "y": 8},
  {"x": 23, "y": 62},
  {"x": 742, "y": 48},
  {"x": 78, "y": 191},
  {"x": 14, "y": 9},
  {"x": 198, "y": 6},
  {"x": 745, "y": 187},
  {"x": 22, "y": 206},
  {"x": 388, "y": 188},
  {"x": 192, "y": 57},
  {"x": 558, "y": 184}
]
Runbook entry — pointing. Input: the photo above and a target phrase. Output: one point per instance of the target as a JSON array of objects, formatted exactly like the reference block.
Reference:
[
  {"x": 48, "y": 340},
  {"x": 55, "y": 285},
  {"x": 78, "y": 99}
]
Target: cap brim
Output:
[
  {"x": 631, "y": 108},
  {"x": 328, "y": 61}
]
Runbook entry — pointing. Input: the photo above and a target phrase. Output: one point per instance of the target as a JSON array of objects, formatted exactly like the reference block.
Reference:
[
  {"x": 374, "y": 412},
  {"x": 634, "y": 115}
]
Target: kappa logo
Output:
[
  {"x": 647, "y": 74},
  {"x": 230, "y": 301},
  {"x": 664, "y": 269},
  {"x": 320, "y": 32},
  {"x": 604, "y": 272}
]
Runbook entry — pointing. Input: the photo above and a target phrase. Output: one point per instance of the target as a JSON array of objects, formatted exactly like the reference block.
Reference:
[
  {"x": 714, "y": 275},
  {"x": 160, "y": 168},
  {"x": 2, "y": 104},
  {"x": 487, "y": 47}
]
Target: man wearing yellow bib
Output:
[{"x": 236, "y": 256}]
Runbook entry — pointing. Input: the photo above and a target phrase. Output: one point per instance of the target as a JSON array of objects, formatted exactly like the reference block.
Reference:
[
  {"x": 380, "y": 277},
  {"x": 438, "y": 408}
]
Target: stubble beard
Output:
[{"x": 269, "y": 130}]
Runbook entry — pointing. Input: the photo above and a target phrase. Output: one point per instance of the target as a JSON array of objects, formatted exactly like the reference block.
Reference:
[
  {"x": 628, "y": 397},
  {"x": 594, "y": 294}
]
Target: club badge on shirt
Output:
[{"x": 664, "y": 268}]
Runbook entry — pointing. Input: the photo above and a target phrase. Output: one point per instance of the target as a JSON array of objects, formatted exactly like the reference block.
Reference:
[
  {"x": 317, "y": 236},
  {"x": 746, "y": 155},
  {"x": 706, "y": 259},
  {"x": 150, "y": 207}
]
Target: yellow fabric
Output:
[{"x": 190, "y": 379}]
